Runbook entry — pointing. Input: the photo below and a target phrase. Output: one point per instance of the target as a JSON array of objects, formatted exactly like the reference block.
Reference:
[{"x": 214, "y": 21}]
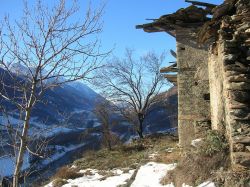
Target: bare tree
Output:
[
  {"x": 48, "y": 46},
  {"x": 133, "y": 85},
  {"x": 104, "y": 111}
]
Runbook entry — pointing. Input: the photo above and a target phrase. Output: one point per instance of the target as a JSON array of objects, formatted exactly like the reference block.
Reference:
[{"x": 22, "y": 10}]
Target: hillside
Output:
[{"x": 68, "y": 111}]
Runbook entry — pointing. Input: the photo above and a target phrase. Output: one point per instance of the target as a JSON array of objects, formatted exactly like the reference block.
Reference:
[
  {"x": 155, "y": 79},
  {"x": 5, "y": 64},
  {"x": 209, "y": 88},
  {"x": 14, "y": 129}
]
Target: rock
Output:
[
  {"x": 230, "y": 44},
  {"x": 248, "y": 148},
  {"x": 243, "y": 27},
  {"x": 237, "y": 17},
  {"x": 238, "y": 147},
  {"x": 241, "y": 113},
  {"x": 238, "y": 86},
  {"x": 237, "y": 69},
  {"x": 231, "y": 57},
  {"x": 240, "y": 96},
  {"x": 247, "y": 42},
  {"x": 240, "y": 139},
  {"x": 242, "y": 158},
  {"x": 247, "y": 31},
  {"x": 239, "y": 78}
]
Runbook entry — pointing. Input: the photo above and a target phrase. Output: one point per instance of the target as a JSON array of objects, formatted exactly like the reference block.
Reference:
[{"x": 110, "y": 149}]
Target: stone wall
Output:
[
  {"x": 193, "y": 87},
  {"x": 233, "y": 71},
  {"x": 217, "y": 80}
]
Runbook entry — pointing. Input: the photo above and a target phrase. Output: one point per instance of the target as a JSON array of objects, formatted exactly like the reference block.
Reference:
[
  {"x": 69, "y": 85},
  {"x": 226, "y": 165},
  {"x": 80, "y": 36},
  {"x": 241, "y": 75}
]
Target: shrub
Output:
[
  {"x": 59, "y": 182},
  {"x": 199, "y": 164},
  {"x": 214, "y": 142}
]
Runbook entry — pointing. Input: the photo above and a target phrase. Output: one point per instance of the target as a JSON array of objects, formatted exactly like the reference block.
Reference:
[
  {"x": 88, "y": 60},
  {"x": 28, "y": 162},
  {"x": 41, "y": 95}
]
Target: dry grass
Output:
[
  {"x": 59, "y": 182},
  {"x": 169, "y": 158},
  {"x": 199, "y": 164},
  {"x": 194, "y": 169},
  {"x": 233, "y": 178},
  {"x": 126, "y": 156},
  {"x": 67, "y": 173}
]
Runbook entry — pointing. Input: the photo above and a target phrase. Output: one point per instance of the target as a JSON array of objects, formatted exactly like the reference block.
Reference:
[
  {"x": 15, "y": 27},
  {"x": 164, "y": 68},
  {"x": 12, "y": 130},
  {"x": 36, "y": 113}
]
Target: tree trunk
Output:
[
  {"x": 140, "y": 129},
  {"x": 22, "y": 148}
]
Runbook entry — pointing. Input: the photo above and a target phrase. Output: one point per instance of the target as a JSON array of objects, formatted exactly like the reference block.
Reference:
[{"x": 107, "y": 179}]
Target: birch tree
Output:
[{"x": 51, "y": 46}]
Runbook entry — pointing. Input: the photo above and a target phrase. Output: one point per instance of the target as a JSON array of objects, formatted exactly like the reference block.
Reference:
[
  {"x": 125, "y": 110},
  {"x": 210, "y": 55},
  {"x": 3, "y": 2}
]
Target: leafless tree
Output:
[
  {"x": 133, "y": 85},
  {"x": 104, "y": 111},
  {"x": 49, "y": 46}
]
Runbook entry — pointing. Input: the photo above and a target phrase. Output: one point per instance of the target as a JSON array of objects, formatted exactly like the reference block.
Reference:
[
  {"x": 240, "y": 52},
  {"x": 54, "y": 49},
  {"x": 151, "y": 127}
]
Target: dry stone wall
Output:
[
  {"x": 230, "y": 77},
  {"x": 213, "y": 80}
]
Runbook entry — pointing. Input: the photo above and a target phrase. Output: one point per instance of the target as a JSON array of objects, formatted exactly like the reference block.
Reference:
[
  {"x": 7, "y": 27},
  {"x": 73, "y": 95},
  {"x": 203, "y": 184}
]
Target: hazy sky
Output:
[{"x": 120, "y": 19}]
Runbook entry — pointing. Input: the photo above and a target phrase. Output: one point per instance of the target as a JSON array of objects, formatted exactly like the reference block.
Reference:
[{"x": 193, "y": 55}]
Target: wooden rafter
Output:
[
  {"x": 172, "y": 68},
  {"x": 209, "y": 5},
  {"x": 171, "y": 78}
]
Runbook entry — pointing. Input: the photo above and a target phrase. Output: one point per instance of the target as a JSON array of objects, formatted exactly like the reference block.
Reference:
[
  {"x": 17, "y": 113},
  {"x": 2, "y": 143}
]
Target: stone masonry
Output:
[{"x": 213, "y": 65}]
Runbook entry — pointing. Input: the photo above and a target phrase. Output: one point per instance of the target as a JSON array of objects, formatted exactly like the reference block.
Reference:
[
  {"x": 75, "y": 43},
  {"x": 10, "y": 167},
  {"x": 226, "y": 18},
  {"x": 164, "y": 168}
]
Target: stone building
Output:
[{"x": 213, "y": 72}]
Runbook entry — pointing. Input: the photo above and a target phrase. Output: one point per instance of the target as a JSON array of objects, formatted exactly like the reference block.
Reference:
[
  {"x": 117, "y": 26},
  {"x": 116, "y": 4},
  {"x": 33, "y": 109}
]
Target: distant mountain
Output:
[
  {"x": 163, "y": 115},
  {"x": 58, "y": 104},
  {"x": 72, "y": 104}
]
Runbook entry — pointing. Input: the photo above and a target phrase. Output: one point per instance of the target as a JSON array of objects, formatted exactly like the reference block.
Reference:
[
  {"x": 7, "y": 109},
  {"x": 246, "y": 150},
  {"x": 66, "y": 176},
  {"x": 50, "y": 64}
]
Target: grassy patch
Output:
[{"x": 126, "y": 156}]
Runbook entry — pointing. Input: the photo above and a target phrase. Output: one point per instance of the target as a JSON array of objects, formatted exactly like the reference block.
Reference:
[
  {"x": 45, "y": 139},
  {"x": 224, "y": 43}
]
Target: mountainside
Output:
[
  {"x": 67, "y": 111},
  {"x": 57, "y": 104},
  {"x": 163, "y": 115}
]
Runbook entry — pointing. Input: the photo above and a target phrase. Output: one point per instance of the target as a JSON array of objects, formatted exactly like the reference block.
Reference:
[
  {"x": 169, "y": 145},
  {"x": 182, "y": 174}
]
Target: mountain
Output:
[
  {"x": 163, "y": 115},
  {"x": 57, "y": 104}
]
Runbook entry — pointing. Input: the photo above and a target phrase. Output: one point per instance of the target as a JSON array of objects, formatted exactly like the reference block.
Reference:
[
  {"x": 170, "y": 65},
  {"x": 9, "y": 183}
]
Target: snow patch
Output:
[
  {"x": 207, "y": 184},
  {"x": 153, "y": 155},
  {"x": 204, "y": 184},
  {"x": 196, "y": 142},
  {"x": 97, "y": 180},
  {"x": 151, "y": 174}
]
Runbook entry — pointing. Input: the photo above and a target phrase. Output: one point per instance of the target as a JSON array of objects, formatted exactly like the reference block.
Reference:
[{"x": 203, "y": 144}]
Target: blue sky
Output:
[{"x": 120, "y": 19}]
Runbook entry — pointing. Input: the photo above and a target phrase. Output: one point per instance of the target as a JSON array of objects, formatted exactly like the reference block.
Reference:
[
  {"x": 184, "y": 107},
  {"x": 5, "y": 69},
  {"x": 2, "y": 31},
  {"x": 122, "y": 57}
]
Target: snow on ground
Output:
[
  {"x": 207, "y": 184},
  {"x": 7, "y": 165},
  {"x": 148, "y": 175},
  {"x": 204, "y": 184},
  {"x": 151, "y": 174},
  {"x": 97, "y": 180}
]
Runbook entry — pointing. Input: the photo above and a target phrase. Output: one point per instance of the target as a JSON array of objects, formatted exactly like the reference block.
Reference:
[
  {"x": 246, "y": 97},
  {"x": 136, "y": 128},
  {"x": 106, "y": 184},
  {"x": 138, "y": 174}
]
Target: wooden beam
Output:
[
  {"x": 172, "y": 68},
  {"x": 173, "y": 53},
  {"x": 171, "y": 78},
  {"x": 201, "y": 3}
]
